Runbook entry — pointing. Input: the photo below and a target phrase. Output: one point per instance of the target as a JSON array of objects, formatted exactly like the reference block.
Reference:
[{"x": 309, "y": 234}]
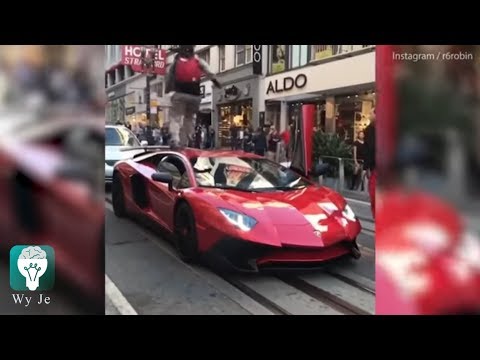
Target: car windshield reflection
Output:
[{"x": 245, "y": 174}]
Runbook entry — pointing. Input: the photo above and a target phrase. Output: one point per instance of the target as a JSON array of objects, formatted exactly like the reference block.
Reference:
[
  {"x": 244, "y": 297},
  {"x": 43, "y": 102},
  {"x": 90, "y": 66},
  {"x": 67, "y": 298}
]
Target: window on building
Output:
[
  {"x": 221, "y": 57},
  {"x": 298, "y": 55},
  {"x": 205, "y": 55},
  {"x": 114, "y": 53},
  {"x": 106, "y": 62},
  {"x": 111, "y": 53},
  {"x": 243, "y": 54},
  {"x": 278, "y": 58},
  {"x": 325, "y": 51},
  {"x": 121, "y": 73},
  {"x": 128, "y": 71}
]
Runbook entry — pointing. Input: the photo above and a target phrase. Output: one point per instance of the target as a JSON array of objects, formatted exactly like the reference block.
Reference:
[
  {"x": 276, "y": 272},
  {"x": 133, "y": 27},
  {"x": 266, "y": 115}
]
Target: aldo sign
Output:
[{"x": 286, "y": 84}]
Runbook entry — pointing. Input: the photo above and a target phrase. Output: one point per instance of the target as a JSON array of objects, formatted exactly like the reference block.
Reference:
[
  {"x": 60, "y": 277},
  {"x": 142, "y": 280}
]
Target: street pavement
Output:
[{"x": 145, "y": 276}]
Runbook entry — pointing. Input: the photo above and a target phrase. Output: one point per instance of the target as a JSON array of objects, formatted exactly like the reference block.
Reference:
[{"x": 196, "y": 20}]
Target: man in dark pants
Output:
[
  {"x": 260, "y": 142},
  {"x": 369, "y": 163}
]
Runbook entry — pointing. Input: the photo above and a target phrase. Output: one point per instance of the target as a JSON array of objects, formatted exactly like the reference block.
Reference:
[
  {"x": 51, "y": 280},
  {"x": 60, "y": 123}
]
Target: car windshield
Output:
[
  {"x": 120, "y": 137},
  {"x": 247, "y": 174}
]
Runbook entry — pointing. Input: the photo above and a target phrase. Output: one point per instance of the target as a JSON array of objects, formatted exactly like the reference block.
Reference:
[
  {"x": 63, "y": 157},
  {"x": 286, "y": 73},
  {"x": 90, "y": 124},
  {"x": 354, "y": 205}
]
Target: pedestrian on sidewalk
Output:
[
  {"x": 247, "y": 140},
  {"x": 285, "y": 135},
  {"x": 165, "y": 135},
  {"x": 183, "y": 83},
  {"x": 233, "y": 136},
  {"x": 359, "y": 173},
  {"x": 273, "y": 141},
  {"x": 260, "y": 142},
  {"x": 211, "y": 134},
  {"x": 369, "y": 163}
]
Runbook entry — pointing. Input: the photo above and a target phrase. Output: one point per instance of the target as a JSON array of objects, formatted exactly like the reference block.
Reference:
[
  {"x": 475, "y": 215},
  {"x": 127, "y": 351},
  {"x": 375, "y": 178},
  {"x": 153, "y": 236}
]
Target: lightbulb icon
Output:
[{"x": 32, "y": 264}]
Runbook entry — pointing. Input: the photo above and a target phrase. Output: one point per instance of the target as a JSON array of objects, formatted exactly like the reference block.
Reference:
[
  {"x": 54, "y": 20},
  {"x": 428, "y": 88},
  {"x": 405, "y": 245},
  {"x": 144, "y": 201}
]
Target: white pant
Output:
[{"x": 184, "y": 107}]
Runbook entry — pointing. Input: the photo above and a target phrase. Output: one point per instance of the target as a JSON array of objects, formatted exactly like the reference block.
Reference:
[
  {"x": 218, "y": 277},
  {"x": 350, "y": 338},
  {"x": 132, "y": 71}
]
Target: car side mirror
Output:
[
  {"x": 164, "y": 178},
  {"x": 144, "y": 143}
]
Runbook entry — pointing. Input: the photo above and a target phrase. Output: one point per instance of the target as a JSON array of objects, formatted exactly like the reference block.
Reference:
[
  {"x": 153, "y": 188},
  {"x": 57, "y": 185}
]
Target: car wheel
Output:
[
  {"x": 186, "y": 234},
  {"x": 118, "y": 199},
  {"x": 356, "y": 254}
]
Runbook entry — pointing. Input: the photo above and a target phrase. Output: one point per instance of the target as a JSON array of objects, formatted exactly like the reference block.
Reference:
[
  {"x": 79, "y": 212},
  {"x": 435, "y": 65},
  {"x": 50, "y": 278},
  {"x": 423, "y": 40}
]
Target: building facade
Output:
[
  {"x": 261, "y": 85},
  {"x": 126, "y": 92},
  {"x": 338, "y": 79}
]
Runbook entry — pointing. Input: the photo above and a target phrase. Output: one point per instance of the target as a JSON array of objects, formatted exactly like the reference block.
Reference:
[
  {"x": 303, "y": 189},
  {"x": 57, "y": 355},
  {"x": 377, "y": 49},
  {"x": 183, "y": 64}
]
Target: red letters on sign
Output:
[{"x": 132, "y": 56}]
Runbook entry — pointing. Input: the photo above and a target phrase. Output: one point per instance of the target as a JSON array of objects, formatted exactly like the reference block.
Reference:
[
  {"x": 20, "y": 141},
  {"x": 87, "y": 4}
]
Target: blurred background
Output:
[
  {"x": 51, "y": 180},
  {"x": 428, "y": 158}
]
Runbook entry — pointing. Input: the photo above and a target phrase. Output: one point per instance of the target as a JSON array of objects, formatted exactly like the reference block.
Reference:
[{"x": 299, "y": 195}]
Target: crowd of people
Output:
[
  {"x": 203, "y": 136},
  {"x": 263, "y": 141}
]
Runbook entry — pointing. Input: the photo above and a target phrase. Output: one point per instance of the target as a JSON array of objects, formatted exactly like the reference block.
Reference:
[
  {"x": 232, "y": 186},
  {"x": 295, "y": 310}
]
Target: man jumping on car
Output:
[{"x": 183, "y": 81}]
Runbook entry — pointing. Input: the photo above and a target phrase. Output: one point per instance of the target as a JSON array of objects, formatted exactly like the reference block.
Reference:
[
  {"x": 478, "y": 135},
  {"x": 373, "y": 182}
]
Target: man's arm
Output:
[{"x": 208, "y": 73}]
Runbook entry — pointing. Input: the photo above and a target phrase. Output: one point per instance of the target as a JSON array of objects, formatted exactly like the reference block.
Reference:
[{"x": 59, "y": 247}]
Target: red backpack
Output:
[{"x": 188, "y": 70}]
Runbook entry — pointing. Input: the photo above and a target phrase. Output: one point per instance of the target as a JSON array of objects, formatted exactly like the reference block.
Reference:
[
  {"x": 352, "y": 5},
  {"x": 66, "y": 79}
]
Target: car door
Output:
[{"x": 162, "y": 199}]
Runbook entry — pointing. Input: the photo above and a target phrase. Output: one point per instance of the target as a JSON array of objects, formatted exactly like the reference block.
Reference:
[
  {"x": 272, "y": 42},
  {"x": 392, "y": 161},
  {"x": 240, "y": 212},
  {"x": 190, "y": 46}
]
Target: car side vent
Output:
[
  {"x": 139, "y": 191},
  {"x": 24, "y": 204}
]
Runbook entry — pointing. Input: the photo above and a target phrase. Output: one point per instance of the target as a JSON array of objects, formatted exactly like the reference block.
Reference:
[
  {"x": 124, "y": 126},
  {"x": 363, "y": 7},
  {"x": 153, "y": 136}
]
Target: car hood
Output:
[
  {"x": 291, "y": 218},
  {"x": 282, "y": 207},
  {"x": 114, "y": 153}
]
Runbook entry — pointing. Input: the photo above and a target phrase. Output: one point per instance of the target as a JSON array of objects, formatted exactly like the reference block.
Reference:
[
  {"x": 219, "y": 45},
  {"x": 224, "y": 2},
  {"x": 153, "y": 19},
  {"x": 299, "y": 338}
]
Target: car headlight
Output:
[
  {"x": 348, "y": 213},
  {"x": 241, "y": 221}
]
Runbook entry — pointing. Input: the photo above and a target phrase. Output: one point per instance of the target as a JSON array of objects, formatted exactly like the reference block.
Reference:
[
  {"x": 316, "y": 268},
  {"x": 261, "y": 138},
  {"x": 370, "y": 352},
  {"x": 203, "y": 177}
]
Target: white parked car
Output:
[{"x": 118, "y": 137}]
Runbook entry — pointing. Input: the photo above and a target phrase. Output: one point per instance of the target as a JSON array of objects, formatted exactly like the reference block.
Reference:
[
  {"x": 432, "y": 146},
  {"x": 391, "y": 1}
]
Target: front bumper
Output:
[{"x": 246, "y": 256}]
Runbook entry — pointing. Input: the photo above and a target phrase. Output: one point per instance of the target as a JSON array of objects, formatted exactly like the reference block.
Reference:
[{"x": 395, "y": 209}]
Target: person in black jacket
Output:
[
  {"x": 369, "y": 161},
  {"x": 247, "y": 140},
  {"x": 358, "y": 157},
  {"x": 260, "y": 142}
]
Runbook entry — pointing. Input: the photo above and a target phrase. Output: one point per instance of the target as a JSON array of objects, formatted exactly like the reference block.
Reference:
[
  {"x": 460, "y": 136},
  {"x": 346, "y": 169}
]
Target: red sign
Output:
[{"x": 132, "y": 55}]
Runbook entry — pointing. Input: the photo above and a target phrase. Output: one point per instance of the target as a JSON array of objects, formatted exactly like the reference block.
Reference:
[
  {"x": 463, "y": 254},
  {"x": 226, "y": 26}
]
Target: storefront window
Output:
[
  {"x": 278, "y": 58},
  {"x": 243, "y": 54},
  {"x": 116, "y": 110},
  {"x": 238, "y": 115},
  {"x": 136, "y": 120},
  {"x": 272, "y": 117},
  {"x": 353, "y": 114},
  {"x": 299, "y": 55}
]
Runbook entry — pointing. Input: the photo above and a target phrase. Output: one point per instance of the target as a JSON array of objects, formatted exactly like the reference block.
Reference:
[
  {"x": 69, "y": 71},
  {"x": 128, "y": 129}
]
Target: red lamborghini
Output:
[{"x": 251, "y": 212}]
